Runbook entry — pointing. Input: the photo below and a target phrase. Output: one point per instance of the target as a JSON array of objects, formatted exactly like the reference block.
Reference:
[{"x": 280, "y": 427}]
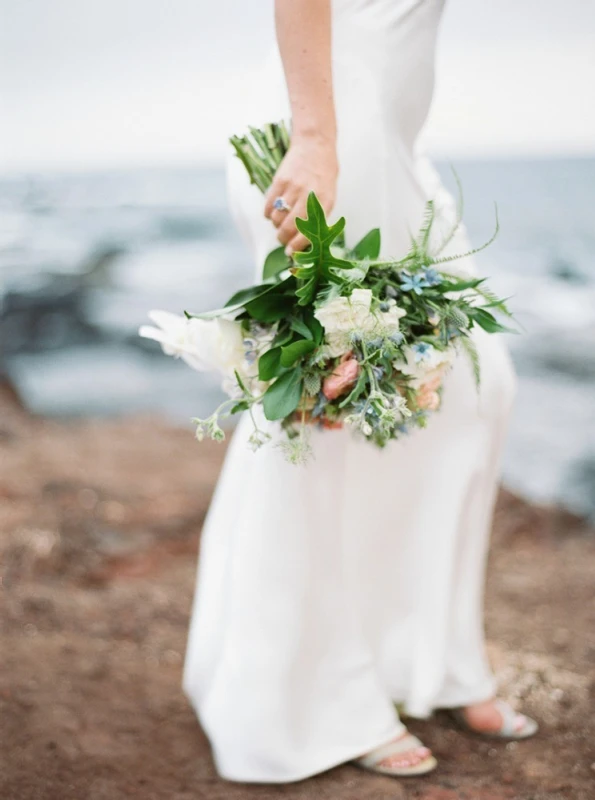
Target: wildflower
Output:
[
  {"x": 432, "y": 277},
  {"x": 423, "y": 351},
  {"x": 257, "y": 439},
  {"x": 297, "y": 450},
  {"x": 413, "y": 283}
]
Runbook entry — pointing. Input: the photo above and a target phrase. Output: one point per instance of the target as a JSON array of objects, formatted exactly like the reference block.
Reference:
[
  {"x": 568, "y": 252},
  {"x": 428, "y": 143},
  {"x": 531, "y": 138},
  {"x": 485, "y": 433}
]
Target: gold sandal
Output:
[{"x": 389, "y": 758}]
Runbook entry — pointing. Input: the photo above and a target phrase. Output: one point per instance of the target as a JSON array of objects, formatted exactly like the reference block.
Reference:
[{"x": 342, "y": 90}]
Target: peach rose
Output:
[
  {"x": 428, "y": 400},
  {"x": 430, "y": 386},
  {"x": 343, "y": 377}
]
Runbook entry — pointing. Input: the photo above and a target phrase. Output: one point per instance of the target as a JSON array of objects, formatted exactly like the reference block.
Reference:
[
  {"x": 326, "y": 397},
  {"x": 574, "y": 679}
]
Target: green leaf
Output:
[
  {"x": 299, "y": 326},
  {"x": 369, "y": 246},
  {"x": 269, "y": 364},
  {"x": 282, "y": 398},
  {"x": 241, "y": 406},
  {"x": 240, "y": 382},
  {"x": 292, "y": 352},
  {"x": 307, "y": 292},
  {"x": 487, "y": 321},
  {"x": 316, "y": 265},
  {"x": 459, "y": 286},
  {"x": 270, "y": 307},
  {"x": 237, "y": 301},
  {"x": 317, "y": 330},
  {"x": 246, "y": 295},
  {"x": 275, "y": 262}
]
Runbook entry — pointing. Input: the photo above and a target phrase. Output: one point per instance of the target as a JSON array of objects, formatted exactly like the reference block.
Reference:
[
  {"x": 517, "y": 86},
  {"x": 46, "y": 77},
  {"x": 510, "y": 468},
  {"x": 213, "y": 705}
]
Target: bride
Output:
[{"x": 329, "y": 593}]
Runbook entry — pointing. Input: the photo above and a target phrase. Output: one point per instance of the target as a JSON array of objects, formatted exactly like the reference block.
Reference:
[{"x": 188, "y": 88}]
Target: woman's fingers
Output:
[
  {"x": 276, "y": 189},
  {"x": 279, "y": 216},
  {"x": 297, "y": 244},
  {"x": 288, "y": 230}
]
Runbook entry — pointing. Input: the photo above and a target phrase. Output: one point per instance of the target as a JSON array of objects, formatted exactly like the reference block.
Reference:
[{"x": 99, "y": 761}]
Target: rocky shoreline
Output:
[{"x": 99, "y": 528}]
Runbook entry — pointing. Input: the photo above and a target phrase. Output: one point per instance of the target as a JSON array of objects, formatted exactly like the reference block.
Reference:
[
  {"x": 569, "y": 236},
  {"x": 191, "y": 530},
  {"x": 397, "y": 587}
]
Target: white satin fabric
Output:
[{"x": 327, "y": 593}]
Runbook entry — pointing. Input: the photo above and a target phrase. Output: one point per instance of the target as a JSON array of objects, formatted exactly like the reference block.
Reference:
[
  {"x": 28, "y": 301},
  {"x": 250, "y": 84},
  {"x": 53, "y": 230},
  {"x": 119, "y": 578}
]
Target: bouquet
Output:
[{"x": 334, "y": 336}]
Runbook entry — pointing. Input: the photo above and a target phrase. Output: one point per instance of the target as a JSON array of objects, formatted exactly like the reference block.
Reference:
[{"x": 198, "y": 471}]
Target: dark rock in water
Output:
[
  {"x": 95, "y": 270},
  {"x": 51, "y": 312},
  {"x": 567, "y": 271}
]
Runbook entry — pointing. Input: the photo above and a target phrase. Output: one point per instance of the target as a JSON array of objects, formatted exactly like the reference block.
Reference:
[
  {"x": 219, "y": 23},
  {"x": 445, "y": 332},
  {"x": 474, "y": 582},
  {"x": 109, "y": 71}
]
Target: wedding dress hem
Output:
[{"x": 326, "y": 764}]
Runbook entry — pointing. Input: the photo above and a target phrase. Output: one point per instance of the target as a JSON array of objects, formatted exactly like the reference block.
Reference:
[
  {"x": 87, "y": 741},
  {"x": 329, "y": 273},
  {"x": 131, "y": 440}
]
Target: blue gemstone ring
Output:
[{"x": 279, "y": 204}]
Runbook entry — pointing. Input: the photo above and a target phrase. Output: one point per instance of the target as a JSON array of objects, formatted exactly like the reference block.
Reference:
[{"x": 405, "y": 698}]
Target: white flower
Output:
[
  {"x": 435, "y": 363},
  {"x": 341, "y": 317},
  {"x": 205, "y": 345}
]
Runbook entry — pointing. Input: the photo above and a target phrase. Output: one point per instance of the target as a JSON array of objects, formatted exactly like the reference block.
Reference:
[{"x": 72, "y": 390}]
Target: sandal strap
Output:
[
  {"x": 401, "y": 745},
  {"x": 509, "y": 719}
]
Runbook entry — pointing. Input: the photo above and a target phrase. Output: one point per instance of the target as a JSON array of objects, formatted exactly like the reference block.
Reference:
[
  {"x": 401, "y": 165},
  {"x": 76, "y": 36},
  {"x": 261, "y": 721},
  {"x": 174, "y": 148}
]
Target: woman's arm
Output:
[{"x": 304, "y": 37}]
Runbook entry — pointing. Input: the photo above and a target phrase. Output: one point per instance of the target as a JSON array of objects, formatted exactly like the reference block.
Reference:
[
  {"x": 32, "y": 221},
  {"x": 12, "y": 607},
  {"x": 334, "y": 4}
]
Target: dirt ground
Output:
[{"x": 99, "y": 527}]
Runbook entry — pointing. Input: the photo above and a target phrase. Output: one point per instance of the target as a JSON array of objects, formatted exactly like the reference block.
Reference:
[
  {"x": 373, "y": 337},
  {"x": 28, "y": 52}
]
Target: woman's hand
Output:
[{"x": 310, "y": 165}]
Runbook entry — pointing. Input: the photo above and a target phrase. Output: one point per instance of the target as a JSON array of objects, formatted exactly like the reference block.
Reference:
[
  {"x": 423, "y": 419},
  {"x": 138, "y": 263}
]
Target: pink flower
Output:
[
  {"x": 343, "y": 377},
  {"x": 428, "y": 400}
]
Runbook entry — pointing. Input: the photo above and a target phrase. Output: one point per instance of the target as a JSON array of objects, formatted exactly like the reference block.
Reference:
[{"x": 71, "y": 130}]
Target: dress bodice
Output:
[{"x": 390, "y": 44}]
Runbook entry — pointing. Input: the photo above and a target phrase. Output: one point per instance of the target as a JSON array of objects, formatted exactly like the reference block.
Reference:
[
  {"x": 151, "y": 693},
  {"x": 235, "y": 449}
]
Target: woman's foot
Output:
[
  {"x": 496, "y": 718},
  {"x": 402, "y": 757}
]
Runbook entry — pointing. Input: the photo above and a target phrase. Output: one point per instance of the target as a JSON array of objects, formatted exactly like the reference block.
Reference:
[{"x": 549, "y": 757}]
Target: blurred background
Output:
[{"x": 115, "y": 117}]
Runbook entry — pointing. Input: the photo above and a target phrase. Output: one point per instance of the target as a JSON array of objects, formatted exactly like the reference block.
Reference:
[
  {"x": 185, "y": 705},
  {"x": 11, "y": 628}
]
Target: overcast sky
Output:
[{"x": 91, "y": 83}]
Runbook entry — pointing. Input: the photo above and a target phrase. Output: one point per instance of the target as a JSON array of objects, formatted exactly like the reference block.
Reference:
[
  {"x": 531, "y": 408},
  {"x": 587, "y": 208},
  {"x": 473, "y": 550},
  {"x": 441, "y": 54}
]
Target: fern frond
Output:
[
  {"x": 470, "y": 348},
  {"x": 423, "y": 237},
  {"x": 459, "y": 215},
  {"x": 475, "y": 250}
]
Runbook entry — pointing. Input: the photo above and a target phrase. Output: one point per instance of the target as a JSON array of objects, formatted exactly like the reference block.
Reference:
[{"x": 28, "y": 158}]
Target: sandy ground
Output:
[{"x": 99, "y": 528}]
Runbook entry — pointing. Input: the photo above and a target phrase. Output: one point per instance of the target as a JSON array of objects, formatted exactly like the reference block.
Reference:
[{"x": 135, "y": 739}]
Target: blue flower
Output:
[
  {"x": 422, "y": 351},
  {"x": 413, "y": 283},
  {"x": 432, "y": 277},
  {"x": 378, "y": 373},
  {"x": 396, "y": 338}
]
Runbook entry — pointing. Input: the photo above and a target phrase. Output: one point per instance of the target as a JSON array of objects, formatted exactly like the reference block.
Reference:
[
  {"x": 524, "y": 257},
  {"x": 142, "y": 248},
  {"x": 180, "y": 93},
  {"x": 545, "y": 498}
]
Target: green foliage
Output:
[
  {"x": 316, "y": 265},
  {"x": 470, "y": 348},
  {"x": 368, "y": 247},
  {"x": 275, "y": 262},
  {"x": 296, "y": 350},
  {"x": 269, "y": 364},
  {"x": 312, "y": 383},
  {"x": 282, "y": 397},
  {"x": 487, "y": 321}
]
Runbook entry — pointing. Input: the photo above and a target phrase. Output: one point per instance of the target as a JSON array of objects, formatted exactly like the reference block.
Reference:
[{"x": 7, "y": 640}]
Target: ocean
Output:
[{"x": 83, "y": 257}]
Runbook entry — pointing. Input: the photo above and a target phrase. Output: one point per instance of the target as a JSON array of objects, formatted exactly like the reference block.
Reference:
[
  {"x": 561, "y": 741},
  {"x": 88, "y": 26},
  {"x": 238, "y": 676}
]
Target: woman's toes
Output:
[
  {"x": 410, "y": 758},
  {"x": 519, "y": 722}
]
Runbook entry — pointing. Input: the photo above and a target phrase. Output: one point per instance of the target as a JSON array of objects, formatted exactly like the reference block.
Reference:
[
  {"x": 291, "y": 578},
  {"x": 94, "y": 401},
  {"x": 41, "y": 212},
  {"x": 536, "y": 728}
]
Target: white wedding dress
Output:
[{"x": 327, "y": 593}]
